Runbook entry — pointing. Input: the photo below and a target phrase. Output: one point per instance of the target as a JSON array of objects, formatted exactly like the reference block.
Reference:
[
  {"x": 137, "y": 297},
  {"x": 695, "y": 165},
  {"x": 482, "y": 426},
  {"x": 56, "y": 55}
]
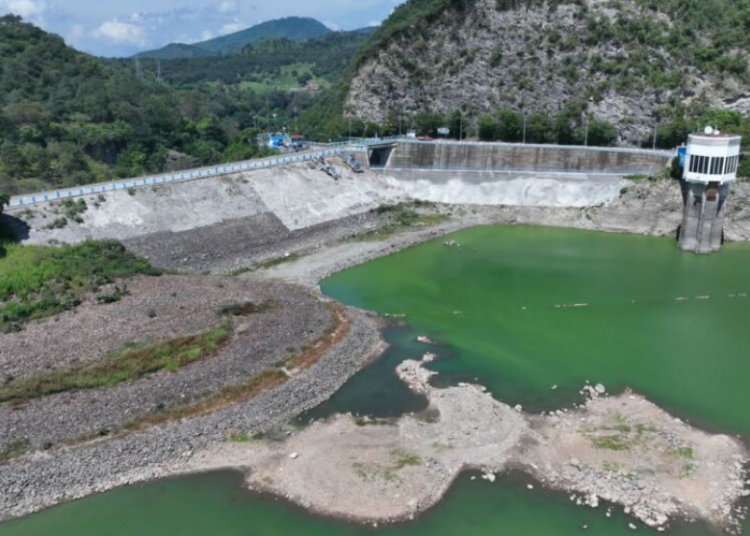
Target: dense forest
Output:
[{"x": 67, "y": 118}]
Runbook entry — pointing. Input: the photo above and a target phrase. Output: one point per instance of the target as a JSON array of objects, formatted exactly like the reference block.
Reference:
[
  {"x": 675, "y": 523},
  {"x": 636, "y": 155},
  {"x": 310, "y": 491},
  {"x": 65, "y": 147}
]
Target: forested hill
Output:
[
  {"x": 277, "y": 63},
  {"x": 67, "y": 118},
  {"x": 629, "y": 63},
  {"x": 290, "y": 28}
]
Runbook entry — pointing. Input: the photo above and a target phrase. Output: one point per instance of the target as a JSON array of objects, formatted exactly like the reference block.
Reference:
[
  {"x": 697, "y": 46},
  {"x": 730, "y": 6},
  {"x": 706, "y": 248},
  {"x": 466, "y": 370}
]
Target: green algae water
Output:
[{"x": 519, "y": 310}]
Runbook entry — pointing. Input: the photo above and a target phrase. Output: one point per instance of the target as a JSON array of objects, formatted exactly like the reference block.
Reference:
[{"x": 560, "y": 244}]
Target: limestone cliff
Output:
[{"x": 628, "y": 62}]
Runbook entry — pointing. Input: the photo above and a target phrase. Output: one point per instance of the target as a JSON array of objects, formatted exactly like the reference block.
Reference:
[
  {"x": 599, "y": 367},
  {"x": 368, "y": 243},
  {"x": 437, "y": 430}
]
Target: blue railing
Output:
[{"x": 180, "y": 176}]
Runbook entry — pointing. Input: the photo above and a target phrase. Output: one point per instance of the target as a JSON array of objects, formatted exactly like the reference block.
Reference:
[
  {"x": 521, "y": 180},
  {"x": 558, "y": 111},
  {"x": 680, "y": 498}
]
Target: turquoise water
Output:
[{"x": 493, "y": 305}]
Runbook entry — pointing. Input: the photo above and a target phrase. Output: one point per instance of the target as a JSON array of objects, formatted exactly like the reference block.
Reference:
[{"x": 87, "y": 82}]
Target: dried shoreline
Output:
[
  {"x": 43, "y": 479},
  {"x": 388, "y": 472}
]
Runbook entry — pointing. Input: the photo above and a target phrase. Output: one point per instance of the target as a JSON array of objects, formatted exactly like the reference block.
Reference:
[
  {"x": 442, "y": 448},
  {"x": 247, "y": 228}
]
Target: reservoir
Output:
[{"x": 531, "y": 313}]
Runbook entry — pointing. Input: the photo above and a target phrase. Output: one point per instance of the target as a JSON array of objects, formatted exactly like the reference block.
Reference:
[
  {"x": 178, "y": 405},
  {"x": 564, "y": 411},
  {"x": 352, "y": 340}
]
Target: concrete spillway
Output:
[
  {"x": 511, "y": 174},
  {"x": 514, "y": 157}
]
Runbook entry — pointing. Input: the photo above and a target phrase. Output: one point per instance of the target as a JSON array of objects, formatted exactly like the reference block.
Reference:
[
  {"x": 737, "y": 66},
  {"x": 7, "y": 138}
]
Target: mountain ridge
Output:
[{"x": 292, "y": 28}]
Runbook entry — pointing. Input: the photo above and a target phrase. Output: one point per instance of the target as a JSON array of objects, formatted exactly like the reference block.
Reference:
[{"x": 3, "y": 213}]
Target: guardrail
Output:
[{"x": 169, "y": 178}]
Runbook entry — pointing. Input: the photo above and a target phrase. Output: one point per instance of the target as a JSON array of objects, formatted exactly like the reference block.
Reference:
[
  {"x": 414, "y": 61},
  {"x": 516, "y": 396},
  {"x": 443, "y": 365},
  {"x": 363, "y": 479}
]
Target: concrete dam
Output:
[{"x": 512, "y": 174}]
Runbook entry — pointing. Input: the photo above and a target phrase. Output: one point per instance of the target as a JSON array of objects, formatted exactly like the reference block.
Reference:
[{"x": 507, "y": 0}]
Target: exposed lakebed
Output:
[{"x": 520, "y": 309}]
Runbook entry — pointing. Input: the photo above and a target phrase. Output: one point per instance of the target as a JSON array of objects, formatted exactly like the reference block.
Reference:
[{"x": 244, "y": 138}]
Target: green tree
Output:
[
  {"x": 487, "y": 127},
  {"x": 4, "y": 200},
  {"x": 602, "y": 134},
  {"x": 427, "y": 124},
  {"x": 510, "y": 126}
]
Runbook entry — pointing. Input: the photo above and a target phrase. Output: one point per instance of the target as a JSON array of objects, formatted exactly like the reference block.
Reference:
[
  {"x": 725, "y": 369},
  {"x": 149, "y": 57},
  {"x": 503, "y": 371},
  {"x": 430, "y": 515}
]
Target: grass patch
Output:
[
  {"x": 13, "y": 450},
  {"x": 402, "y": 458},
  {"x": 617, "y": 434},
  {"x": 403, "y": 216},
  {"x": 686, "y": 453},
  {"x": 240, "y": 438},
  {"x": 131, "y": 363},
  {"x": 74, "y": 210},
  {"x": 39, "y": 281}
]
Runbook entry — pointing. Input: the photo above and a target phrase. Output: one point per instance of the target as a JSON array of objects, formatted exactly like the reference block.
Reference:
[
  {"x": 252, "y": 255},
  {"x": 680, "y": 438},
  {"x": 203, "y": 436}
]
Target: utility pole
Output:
[
  {"x": 138, "y": 70},
  {"x": 350, "y": 129},
  {"x": 461, "y": 125},
  {"x": 656, "y": 133},
  {"x": 524, "y": 129},
  {"x": 158, "y": 71},
  {"x": 588, "y": 123}
]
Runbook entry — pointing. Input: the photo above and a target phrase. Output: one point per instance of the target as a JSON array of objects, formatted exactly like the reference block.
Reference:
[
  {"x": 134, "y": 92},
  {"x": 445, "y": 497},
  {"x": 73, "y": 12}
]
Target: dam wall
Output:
[
  {"x": 507, "y": 157},
  {"x": 531, "y": 189}
]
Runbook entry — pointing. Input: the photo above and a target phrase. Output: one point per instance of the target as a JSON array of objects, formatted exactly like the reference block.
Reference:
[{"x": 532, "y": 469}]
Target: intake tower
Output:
[{"x": 710, "y": 167}]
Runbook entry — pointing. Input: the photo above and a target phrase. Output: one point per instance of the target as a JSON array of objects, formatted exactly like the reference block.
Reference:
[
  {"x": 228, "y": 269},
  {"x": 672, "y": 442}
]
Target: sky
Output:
[{"x": 124, "y": 27}]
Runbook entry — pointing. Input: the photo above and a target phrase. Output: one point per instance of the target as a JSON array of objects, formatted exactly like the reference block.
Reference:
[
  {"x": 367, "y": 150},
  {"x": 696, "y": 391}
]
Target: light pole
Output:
[{"x": 588, "y": 124}]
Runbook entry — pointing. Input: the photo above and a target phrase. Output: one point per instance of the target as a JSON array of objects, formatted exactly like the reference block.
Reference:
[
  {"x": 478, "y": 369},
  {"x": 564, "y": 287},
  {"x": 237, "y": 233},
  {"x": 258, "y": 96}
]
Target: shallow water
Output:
[{"x": 493, "y": 304}]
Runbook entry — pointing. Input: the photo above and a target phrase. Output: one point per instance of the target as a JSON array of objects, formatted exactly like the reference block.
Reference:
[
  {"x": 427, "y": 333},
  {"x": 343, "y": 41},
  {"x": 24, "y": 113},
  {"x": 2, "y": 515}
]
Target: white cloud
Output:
[
  {"x": 76, "y": 32},
  {"x": 228, "y": 6},
  {"x": 206, "y": 35},
  {"x": 231, "y": 27},
  {"x": 122, "y": 32},
  {"x": 25, "y": 8}
]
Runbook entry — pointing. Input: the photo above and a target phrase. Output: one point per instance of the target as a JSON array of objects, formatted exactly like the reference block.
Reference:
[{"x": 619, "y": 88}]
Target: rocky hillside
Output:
[{"x": 627, "y": 62}]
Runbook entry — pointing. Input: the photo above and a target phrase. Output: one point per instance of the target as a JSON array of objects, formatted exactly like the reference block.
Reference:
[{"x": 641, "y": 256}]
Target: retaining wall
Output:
[{"x": 517, "y": 157}]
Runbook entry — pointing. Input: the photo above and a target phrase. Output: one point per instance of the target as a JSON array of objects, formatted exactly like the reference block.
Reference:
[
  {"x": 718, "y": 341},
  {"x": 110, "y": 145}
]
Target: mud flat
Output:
[{"x": 620, "y": 449}]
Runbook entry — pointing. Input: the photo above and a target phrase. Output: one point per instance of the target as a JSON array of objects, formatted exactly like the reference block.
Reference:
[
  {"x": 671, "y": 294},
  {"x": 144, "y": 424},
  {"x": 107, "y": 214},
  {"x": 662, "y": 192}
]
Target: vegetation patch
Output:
[
  {"x": 131, "y": 363},
  {"x": 403, "y": 217},
  {"x": 247, "y": 308},
  {"x": 38, "y": 282},
  {"x": 235, "y": 394},
  {"x": 617, "y": 434}
]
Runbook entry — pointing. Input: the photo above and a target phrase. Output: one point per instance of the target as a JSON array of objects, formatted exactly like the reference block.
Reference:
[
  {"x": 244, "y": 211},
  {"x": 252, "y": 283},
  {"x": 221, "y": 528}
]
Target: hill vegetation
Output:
[
  {"x": 67, "y": 118},
  {"x": 265, "y": 65},
  {"x": 290, "y": 28}
]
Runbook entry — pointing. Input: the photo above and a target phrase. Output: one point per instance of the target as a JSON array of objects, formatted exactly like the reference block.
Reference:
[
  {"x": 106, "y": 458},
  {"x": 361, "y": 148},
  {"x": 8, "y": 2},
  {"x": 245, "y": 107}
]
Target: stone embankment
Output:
[
  {"x": 59, "y": 472},
  {"x": 153, "y": 310}
]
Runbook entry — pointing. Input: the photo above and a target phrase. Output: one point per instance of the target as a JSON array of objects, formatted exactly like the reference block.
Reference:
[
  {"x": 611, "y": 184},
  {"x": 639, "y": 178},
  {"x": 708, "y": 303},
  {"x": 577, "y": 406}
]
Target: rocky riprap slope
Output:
[
  {"x": 47, "y": 477},
  {"x": 155, "y": 309},
  {"x": 622, "y": 61}
]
